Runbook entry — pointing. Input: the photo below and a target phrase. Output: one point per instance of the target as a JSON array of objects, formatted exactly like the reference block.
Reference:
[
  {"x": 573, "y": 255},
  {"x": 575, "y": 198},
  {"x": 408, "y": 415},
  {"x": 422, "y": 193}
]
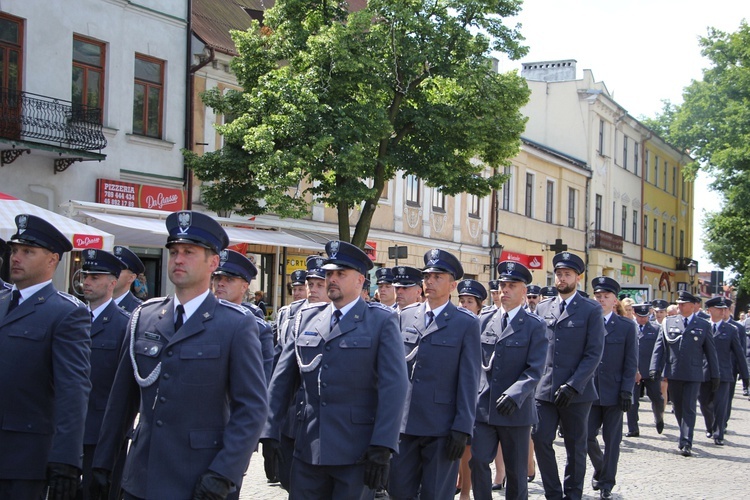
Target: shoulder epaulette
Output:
[
  {"x": 378, "y": 305},
  {"x": 314, "y": 305},
  {"x": 261, "y": 322},
  {"x": 71, "y": 298},
  {"x": 536, "y": 317},
  {"x": 123, "y": 312},
  {"x": 488, "y": 310},
  {"x": 411, "y": 306},
  {"x": 466, "y": 311},
  {"x": 234, "y": 306}
]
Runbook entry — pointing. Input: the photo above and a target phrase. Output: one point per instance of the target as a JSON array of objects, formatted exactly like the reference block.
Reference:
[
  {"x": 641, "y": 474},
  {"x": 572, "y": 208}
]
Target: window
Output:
[
  {"x": 674, "y": 181},
  {"x": 682, "y": 243},
  {"x": 474, "y": 206},
  {"x": 647, "y": 167},
  {"x": 601, "y": 137},
  {"x": 412, "y": 190},
  {"x": 549, "y": 206},
  {"x": 438, "y": 200},
  {"x": 656, "y": 232},
  {"x": 666, "y": 174},
  {"x": 645, "y": 230},
  {"x": 598, "y": 213},
  {"x": 11, "y": 71},
  {"x": 684, "y": 188},
  {"x": 624, "y": 221},
  {"x": 88, "y": 73},
  {"x": 664, "y": 237},
  {"x": 635, "y": 226},
  {"x": 507, "y": 190},
  {"x": 671, "y": 241},
  {"x": 529, "y": 202},
  {"x": 636, "y": 167},
  {"x": 625, "y": 152},
  {"x": 614, "y": 213},
  {"x": 571, "y": 207},
  {"x": 148, "y": 96},
  {"x": 656, "y": 171}
]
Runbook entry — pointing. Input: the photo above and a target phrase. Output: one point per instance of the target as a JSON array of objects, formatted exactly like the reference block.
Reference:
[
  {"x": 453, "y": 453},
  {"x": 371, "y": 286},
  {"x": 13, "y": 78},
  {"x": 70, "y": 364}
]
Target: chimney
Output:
[{"x": 550, "y": 71}]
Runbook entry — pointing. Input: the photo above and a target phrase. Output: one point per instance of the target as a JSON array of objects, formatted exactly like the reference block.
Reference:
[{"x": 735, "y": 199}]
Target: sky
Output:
[{"x": 644, "y": 51}]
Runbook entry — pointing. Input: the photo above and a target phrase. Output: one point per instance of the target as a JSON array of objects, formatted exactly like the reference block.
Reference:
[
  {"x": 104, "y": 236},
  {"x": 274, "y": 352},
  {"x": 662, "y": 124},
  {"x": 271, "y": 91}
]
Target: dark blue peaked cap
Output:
[
  {"x": 494, "y": 285},
  {"x": 344, "y": 255},
  {"x": 533, "y": 290},
  {"x": 605, "y": 284},
  {"x": 34, "y": 231},
  {"x": 384, "y": 275},
  {"x": 684, "y": 296},
  {"x": 549, "y": 291},
  {"x": 404, "y": 276},
  {"x": 569, "y": 260},
  {"x": 719, "y": 302},
  {"x": 131, "y": 260},
  {"x": 298, "y": 277},
  {"x": 235, "y": 264},
  {"x": 473, "y": 288},
  {"x": 440, "y": 261},
  {"x": 101, "y": 262},
  {"x": 196, "y": 228},
  {"x": 513, "y": 271},
  {"x": 659, "y": 304},
  {"x": 315, "y": 265},
  {"x": 642, "y": 309}
]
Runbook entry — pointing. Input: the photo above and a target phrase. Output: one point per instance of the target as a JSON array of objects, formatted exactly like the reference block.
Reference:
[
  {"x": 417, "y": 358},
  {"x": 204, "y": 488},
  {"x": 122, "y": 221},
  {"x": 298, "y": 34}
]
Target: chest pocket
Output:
[
  {"x": 200, "y": 364},
  {"x": 148, "y": 348},
  {"x": 614, "y": 339},
  {"x": 106, "y": 344},
  {"x": 207, "y": 351},
  {"x": 309, "y": 340},
  {"x": 411, "y": 338},
  {"x": 488, "y": 339},
  {"x": 36, "y": 334},
  {"x": 443, "y": 342},
  {"x": 355, "y": 343},
  {"x": 517, "y": 342},
  {"x": 570, "y": 323}
]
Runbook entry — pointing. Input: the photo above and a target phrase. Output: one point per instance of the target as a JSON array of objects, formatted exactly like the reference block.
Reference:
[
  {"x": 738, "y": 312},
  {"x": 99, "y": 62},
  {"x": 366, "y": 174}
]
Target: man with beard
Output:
[
  {"x": 348, "y": 358},
  {"x": 122, "y": 295},
  {"x": 533, "y": 293},
  {"x": 575, "y": 331},
  {"x": 408, "y": 284}
]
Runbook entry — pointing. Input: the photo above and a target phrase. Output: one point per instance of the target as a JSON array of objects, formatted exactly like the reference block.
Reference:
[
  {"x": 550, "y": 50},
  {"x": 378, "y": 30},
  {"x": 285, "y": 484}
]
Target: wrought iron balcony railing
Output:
[
  {"x": 27, "y": 116},
  {"x": 605, "y": 240}
]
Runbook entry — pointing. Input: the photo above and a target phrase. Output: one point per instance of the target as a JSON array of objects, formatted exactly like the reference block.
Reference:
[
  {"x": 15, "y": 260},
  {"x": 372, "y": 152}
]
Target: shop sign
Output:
[
  {"x": 129, "y": 194},
  {"x": 530, "y": 261},
  {"x": 371, "y": 249},
  {"x": 296, "y": 263},
  {"x": 627, "y": 269},
  {"x": 81, "y": 241}
]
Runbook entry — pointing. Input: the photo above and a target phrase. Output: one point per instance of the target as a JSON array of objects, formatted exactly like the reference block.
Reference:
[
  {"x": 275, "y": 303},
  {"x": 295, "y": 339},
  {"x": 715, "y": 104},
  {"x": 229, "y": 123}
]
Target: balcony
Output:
[
  {"x": 606, "y": 241},
  {"x": 32, "y": 118}
]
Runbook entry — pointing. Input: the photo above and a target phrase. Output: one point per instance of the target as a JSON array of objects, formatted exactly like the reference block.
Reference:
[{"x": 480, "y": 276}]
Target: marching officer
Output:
[
  {"x": 408, "y": 284},
  {"x": 533, "y": 293},
  {"x": 494, "y": 287},
  {"x": 386, "y": 292},
  {"x": 614, "y": 380},
  {"x": 513, "y": 352},
  {"x": 194, "y": 372},
  {"x": 548, "y": 292},
  {"x": 299, "y": 290},
  {"x": 648, "y": 332},
  {"x": 659, "y": 306},
  {"x": 44, "y": 370},
  {"x": 715, "y": 402},
  {"x": 728, "y": 312},
  {"x": 134, "y": 266},
  {"x": 442, "y": 347},
  {"x": 101, "y": 271},
  {"x": 679, "y": 351},
  {"x": 230, "y": 282},
  {"x": 575, "y": 332},
  {"x": 471, "y": 295},
  {"x": 3, "y": 250},
  {"x": 348, "y": 357}
]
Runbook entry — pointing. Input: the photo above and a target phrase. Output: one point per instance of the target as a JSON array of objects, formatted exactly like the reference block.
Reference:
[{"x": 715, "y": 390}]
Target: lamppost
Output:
[
  {"x": 692, "y": 269},
  {"x": 496, "y": 250}
]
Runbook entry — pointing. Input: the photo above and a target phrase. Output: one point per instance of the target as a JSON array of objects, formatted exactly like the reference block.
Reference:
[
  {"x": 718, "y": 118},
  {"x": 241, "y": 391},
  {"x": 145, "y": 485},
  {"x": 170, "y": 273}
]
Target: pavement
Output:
[{"x": 649, "y": 467}]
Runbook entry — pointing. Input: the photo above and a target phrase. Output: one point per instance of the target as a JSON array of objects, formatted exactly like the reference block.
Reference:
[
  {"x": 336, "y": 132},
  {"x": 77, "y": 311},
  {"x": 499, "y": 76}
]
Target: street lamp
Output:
[
  {"x": 692, "y": 269},
  {"x": 496, "y": 250}
]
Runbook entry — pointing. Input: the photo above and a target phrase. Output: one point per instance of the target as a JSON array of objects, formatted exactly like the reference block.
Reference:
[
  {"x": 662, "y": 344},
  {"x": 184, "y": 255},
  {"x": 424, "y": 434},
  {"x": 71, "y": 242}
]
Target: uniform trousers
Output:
[
  {"x": 714, "y": 407},
  {"x": 732, "y": 389},
  {"x": 421, "y": 469},
  {"x": 286, "y": 450},
  {"x": 328, "y": 482},
  {"x": 515, "y": 445},
  {"x": 684, "y": 397},
  {"x": 609, "y": 420},
  {"x": 574, "y": 420},
  {"x": 116, "y": 478},
  {"x": 15, "y": 489},
  {"x": 653, "y": 390}
]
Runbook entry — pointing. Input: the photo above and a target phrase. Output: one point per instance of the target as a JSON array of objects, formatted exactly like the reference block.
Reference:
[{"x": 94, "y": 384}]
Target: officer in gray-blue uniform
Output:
[
  {"x": 442, "y": 348},
  {"x": 679, "y": 351},
  {"x": 194, "y": 371},
  {"x": 134, "y": 266},
  {"x": 614, "y": 380},
  {"x": 533, "y": 297},
  {"x": 494, "y": 288},
  {"x": 728, "y": 312},
  {"x": 3, "y": 250},
  {"x": 548, "y": 292},
  {"x": 277, "y": 460},
  {"x": 408, "y": 284},
  {"x": 648, "y": 332},
  {"x": 230, "y": 282},
  {"x": 714, "y": 403},
  {"x": 297, "y": 284},
  {"x": 109, "y": 323},
  {"x": 348, "y": 357},
  {"x": 386, "y": 292},
  {"x": 44, "y": 369},
  {"x": 514, "y": 346},
  {"x": 575, "y": 332},
  {"x": 471, "y": 295}
]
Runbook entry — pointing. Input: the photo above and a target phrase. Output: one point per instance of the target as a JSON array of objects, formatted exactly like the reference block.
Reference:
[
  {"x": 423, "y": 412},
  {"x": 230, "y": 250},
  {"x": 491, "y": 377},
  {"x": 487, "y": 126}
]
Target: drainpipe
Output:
[
  {"x": 643, "y": 195},
  {"x": 586, "y": 230}
]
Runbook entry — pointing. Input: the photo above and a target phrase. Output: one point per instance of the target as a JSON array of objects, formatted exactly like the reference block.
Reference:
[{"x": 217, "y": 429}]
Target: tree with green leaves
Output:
[
  {"x": 335, "y": 103},
  {"x": 714, "y": 124}
]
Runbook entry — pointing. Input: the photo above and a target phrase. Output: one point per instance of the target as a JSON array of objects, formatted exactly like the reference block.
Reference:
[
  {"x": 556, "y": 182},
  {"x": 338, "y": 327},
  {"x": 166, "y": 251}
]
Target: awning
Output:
[
  {"x": 80, "y": 235},
  {"x": 144, "y": 231}
]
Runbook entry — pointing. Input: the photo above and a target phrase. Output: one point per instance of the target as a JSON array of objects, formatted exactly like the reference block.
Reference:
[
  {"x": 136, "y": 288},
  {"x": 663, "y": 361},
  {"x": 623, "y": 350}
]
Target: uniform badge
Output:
[
  {"x": 319, "y": 262},
  {"x": 153, "y": 350},
  {"x": 91, "y": 254},
  {"x": 434, "y": 256},
  {"x": 183, "y": 222},
  {"x": 467, "y": 283},
  {"x": 206, "y": 315},
  {"x": 22, "y": 222},
  {"x": 566, "y": 255},
  {"x": 401, "y": 270},
  {"x": 695, "y": 338},
  {"x": 223, "y": 256},
  {"x": 601, "y": 279},
  {"x": 334, "y": 249},
  {"x": 118, "y": 251},
  {"x": 510, "y": 266}
]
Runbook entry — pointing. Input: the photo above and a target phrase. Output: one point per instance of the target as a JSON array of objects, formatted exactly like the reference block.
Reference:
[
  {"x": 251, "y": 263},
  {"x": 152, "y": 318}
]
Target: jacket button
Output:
[
  {"x": 325, "y": 366},
  {"x": 323, "y": 403},
  {"x": 163, "y": 399},
  {"x": 159, "y": 423},
  {"x": 169, "y": 353},
  {"x": 328, "y": 348},
  {"x": 166, "y": 376}
]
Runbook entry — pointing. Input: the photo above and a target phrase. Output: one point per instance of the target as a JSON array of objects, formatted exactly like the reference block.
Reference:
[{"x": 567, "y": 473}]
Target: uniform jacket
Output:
[
  {"x": 679, "y": 351},
  {"x": 283, "y": 325},
  {"x": 130, "y": 302},
  {"x": 353, "y": 387},
  {"x": 443, "y": 363},
  {"x": 512, "y": 362},
  {"x": 575, "y": 345},
  {"x": 616, "y": 371},
  {"x": 728, "y": 346},
  {"x": 646, "y": 340},
  {"x": 107, "y": 336},
  {"x": 743, "y": 341},
  {"x": 285, "y": 331},
  {"x": 44, "y": 382},
  {"x": 204, "y": 411},
  {"x": 4, "y": 285}
]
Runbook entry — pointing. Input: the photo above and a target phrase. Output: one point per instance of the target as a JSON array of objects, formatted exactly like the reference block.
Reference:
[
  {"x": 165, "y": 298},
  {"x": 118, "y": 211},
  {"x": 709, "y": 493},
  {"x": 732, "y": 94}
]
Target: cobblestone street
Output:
[{"x": 649, "y": 467}]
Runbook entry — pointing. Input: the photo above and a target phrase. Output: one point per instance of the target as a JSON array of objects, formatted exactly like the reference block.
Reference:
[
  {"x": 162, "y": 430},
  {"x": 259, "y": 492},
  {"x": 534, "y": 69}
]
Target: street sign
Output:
[
  {"x": 398, "y": 252},
  {"x": 717, "y": 282}
]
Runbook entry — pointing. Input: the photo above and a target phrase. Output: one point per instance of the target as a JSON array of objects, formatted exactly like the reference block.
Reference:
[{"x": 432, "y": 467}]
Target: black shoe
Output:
[
  {"x": 719, "y": 442},
  {"x": 498, "y": 486},
  {"x": 687, "y": 451},
  {"x": 531, "y": 477},
  {"x": 709, "y": 434},
  {"x": 595, "y": 485},
  {"x": 633, "y": 434},
  {"x": 605, "y": 493},
  {"x": 381, "y": 493},
  {"x": 659, "y": 426}
]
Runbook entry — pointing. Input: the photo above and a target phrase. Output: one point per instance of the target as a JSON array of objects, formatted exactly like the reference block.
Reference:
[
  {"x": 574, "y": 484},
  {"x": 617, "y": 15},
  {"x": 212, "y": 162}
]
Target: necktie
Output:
[
  {"x": 178, "y": 321},
  {"x": 562, "y": 307},
  {"x": 684, "y": 322},
  {"x": 335, "y": 318},
  {"x": 714, "y": 328},
  {"x": 92, "y": 314},
  {"x": 430, "y": 317},
  {"x": 505, "y": 321},
  {"x": 15, "y": 297},
  {"x": 641, "y": 327}
]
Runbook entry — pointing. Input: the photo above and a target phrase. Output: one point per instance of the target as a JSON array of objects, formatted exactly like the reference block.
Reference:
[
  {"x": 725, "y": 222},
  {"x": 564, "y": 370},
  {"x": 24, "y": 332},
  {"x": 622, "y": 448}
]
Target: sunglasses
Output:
[{"x": 532, "y": 296}]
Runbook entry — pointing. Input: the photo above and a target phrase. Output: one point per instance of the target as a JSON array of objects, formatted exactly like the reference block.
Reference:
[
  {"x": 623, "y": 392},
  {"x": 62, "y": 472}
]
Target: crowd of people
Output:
[{"x": 410, "y": 396}]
